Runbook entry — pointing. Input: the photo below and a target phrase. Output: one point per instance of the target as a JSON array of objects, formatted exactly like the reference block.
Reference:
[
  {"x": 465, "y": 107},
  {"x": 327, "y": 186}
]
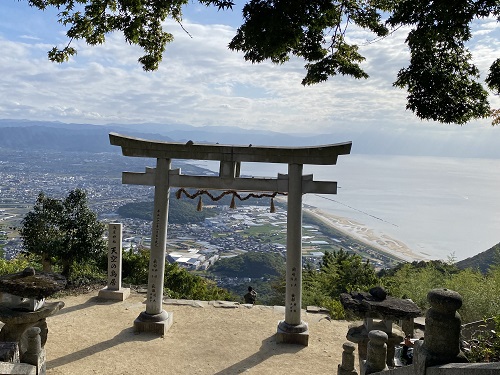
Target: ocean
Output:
[{"x": 440, "y": 208}]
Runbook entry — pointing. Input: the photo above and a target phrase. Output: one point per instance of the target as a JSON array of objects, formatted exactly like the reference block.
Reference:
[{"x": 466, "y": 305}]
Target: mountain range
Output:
[{"x": 59, "y": 136}]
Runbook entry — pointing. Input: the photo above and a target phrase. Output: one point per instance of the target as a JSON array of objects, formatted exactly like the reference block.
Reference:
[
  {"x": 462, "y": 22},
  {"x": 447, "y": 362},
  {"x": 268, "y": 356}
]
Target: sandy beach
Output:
[{"x": 382, "y": 242}]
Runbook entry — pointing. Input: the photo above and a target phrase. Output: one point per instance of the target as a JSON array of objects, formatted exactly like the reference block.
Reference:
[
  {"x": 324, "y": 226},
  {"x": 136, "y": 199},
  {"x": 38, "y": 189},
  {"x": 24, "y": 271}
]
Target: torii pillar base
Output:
[
  {"x": 292, "y": 334},
  {"x": 157, "y": 323}
]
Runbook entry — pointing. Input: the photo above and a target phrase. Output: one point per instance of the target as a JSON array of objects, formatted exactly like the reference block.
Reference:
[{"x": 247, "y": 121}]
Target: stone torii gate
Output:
[{"x": 155, "y": 319}]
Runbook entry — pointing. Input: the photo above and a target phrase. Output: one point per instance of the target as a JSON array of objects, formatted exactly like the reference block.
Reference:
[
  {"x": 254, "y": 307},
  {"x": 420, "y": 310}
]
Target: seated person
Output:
[
  {"x": 407, "y": 351},
  {"x": 251, "y": 296}
]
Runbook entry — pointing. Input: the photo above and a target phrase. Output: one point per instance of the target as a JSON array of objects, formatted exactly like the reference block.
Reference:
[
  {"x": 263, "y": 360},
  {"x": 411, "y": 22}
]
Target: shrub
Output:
[
  {"x": 335, "y": 308},
  {"x": 14, "y": 265},
  {"x": 484, "y": 346}
]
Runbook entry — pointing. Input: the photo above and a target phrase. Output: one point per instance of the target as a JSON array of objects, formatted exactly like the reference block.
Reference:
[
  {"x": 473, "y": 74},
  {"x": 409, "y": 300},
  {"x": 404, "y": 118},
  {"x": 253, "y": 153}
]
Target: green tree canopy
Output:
[
  {"x": 345, "y": 272},
  {"x": 441, "y": 80},
  {"x": 63, "y": 231}
]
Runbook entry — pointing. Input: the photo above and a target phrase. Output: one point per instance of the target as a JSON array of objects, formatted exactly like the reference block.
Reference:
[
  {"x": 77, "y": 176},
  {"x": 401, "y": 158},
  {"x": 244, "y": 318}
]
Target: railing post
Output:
[
  {"x": 376, "y": 353},
  {"x": 35, "y": 354},
  {"x": 442, "y": 331},
  {"x": 347, "y": 366}
]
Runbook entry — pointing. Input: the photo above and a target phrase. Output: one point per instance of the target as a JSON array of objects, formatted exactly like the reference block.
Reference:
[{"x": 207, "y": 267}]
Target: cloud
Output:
[{"x": 201, "y": 82}]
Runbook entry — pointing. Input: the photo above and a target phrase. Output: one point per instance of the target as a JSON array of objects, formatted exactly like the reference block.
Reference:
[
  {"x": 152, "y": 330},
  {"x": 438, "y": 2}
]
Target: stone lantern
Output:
[
  {"x": 23, "y": 305},
  {"x": 378, "y": 311}
]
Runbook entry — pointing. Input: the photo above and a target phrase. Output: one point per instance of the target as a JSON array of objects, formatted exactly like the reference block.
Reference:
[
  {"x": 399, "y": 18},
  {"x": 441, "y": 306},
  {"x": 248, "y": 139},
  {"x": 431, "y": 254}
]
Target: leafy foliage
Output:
[
  {"x": 441, "y": 266},
  {"x": 275, "y": 30},
  {"x": 480, "y": 292},
  {"x": 269, "y": 291},
  {"x": 63, "y": 232},
  {"x": 414, "y": 282},
  {"x": 485, "y": 346},
  {"x": 344, "y": 272},
  {"x": 340, "y": 272},
  {"x": 140, "y": 22},
  {"x": 179, "y": 283},
  {"x": 135, "y": 266},
  {"x": 441, "y": 80},
  {"x": 14, "y": 265}
]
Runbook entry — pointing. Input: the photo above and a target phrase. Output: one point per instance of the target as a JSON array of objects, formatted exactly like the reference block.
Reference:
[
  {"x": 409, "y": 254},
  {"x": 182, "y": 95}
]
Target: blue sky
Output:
[{"x": 200, "y": 82}]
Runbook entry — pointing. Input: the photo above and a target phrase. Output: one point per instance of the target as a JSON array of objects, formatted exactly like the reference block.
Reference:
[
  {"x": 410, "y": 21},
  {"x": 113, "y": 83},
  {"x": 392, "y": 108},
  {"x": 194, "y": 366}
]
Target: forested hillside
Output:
[
  {"x": 180, "y": 211},
  {"x": 251, "y": 265},
  {"x": 482, "y": 261}
]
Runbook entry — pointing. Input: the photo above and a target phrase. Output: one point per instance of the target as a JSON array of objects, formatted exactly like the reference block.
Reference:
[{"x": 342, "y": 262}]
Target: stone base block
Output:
[
  {"x": 17, "y": 368},
  {"x": 116, "y": 295},
  {"x": 158, "y": 323},
  {"x": 292, "y": 334},
  {"x": 343, "y": 371},
  {"x": 9, "y": 352}
]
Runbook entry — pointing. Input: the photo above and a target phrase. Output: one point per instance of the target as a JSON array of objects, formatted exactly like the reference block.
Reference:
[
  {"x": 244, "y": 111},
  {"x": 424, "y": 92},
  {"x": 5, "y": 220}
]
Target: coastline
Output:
[{"x": 383, "y": 243}]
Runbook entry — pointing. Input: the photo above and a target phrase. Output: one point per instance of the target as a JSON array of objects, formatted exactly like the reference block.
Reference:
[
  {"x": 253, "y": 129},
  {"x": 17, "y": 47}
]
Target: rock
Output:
[
  {"x": 29, "y": 271},
  {"x": 378, "y": 292}
]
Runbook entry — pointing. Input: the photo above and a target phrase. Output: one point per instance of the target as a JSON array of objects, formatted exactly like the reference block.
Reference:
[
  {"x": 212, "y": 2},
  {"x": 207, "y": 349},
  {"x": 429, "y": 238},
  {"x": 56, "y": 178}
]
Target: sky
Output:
[{"x": 201, "y": 82}]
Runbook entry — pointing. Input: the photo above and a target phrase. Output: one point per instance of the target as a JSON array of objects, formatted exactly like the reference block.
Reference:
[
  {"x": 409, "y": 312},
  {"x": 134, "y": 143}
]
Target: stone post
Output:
[
  {"x": 442, "y": 331},
  {"x": 347, "y": 366},
  {"x": 376, "y": 353},
  {"x": 408, "y": 326},
  {"x": 155, "y": 319},
  {"x": 34, "y": 354},
  {"x": 293, "y": 329},
  {"x": 114, "y": 290}
]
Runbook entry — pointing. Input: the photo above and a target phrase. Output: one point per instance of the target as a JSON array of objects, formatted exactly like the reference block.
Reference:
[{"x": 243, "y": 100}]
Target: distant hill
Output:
[
  {"x": 59, "y": 136},
  {"x": 180, "y": 212},
  {"x": 252, "y": 264},
  {"x": 482, "y": 261}
]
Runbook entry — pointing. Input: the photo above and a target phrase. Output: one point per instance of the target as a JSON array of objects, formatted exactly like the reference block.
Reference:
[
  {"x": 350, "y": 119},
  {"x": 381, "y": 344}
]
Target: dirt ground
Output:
[{"x": 90, "y": 336}]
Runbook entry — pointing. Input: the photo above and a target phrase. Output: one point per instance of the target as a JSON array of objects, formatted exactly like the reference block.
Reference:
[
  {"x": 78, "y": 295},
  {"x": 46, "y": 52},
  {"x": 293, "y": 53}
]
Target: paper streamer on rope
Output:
[{"x": 199, "y": 207}]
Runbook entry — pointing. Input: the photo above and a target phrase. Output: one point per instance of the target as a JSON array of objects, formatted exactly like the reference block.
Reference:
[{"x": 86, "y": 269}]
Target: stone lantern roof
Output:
[
  {"x": 377, "y": 304},
  {"x": 31, "y": 284}
]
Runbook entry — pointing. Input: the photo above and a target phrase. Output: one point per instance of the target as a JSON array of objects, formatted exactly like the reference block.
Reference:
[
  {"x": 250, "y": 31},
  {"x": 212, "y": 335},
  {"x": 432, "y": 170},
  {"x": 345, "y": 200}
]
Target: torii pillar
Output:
[{"x": 157, "y": 320}]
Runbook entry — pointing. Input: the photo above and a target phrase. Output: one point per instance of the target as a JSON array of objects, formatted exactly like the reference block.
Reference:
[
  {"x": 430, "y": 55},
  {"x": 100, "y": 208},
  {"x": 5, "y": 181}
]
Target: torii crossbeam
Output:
[{"x": 155, "y": 319}]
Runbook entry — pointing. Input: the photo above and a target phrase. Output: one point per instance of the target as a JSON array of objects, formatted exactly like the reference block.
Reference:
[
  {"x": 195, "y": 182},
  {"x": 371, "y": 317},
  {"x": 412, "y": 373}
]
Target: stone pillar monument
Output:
[{"x": 114, "y": 289}]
